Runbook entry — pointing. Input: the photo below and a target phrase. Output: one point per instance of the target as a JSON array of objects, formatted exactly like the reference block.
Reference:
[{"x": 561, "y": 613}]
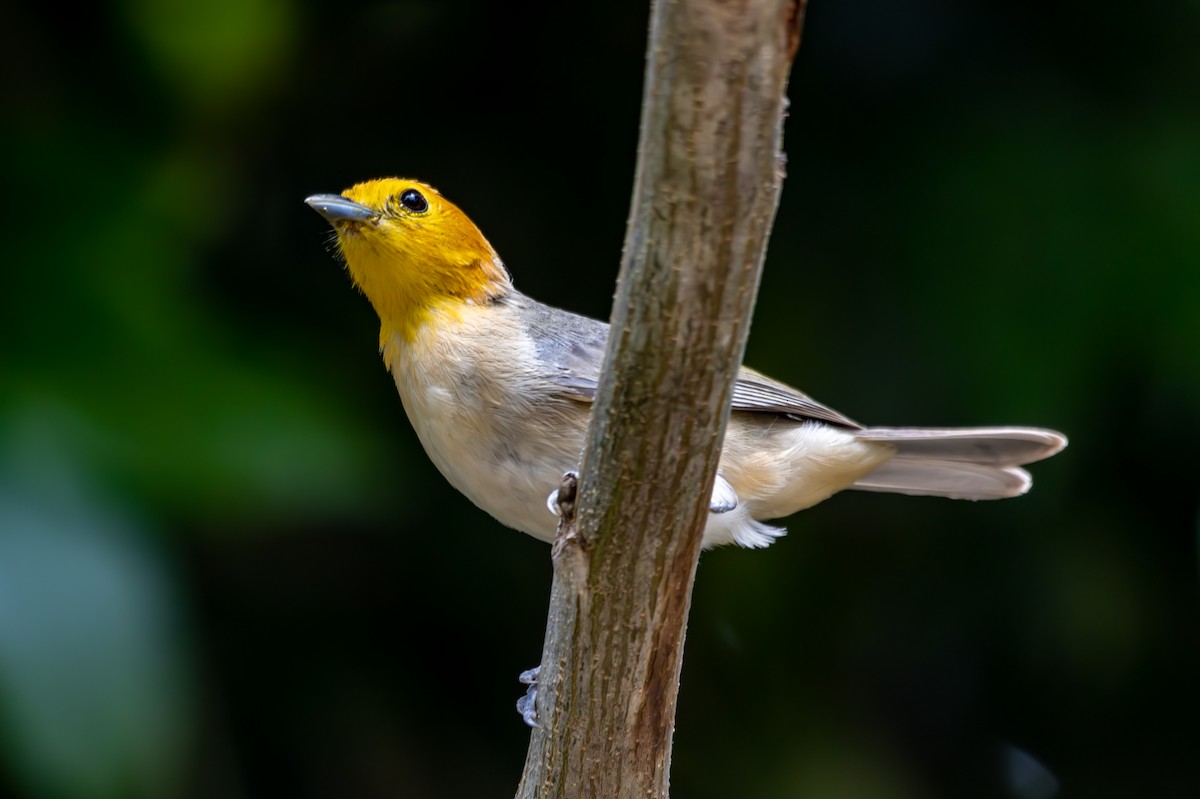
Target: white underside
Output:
[
  {"x": 509, "y": 472},
  {"x": 504, "y": 438}
]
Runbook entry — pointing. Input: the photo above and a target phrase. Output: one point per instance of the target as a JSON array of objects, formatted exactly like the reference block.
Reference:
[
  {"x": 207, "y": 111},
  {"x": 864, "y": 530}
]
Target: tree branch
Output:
[{"x": 708, "y": 179}]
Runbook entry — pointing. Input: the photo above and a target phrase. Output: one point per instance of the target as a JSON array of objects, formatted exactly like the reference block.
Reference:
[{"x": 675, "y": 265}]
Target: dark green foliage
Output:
[{"x": 227, "y": 568}]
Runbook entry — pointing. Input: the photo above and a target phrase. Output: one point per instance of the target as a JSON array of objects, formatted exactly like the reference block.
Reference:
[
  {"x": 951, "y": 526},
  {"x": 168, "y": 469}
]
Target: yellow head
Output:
[{"x": 411, "y": 251}]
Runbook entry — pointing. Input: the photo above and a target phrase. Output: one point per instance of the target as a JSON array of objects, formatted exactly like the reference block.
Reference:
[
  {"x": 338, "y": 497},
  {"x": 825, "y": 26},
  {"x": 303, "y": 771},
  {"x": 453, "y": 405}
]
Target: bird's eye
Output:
[{"x": 414, "y": 201}]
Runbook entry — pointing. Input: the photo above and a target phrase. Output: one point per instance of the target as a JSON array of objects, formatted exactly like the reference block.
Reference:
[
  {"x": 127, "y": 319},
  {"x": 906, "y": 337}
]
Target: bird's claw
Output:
[
  {"x": 552, "y": 499},
  {"x": 724, "y": 498},
  {"x": 527, "y": 704}
]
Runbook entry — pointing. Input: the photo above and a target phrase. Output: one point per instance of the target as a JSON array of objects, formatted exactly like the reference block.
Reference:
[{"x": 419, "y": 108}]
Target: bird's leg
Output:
[
  {"x": 557, "y": 504},
  {"x": 527, "y": 705}
]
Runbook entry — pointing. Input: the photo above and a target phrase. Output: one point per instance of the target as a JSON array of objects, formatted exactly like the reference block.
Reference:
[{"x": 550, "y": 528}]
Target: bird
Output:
[{"x": 499, "y": 388}]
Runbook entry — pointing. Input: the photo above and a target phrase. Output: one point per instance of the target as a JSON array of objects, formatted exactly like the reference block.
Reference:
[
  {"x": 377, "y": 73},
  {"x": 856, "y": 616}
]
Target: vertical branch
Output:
[{"x": 708, "y": 179}]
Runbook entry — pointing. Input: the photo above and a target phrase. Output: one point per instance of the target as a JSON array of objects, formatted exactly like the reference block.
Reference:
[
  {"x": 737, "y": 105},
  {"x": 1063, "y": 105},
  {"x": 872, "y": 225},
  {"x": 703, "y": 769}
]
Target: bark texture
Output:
[{"x": 708, "y": 178}]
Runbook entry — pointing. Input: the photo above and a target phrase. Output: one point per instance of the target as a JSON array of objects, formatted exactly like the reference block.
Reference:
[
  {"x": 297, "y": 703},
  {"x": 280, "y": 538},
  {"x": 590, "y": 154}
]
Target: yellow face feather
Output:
[{"x": 416, "y": 254}]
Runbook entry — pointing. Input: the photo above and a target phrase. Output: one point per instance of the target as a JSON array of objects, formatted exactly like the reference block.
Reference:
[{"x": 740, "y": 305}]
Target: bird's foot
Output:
[
  {"x": 724, "y": 498},
  {"x": 527, "y": 705},
  {"x": 552, "y": 500}
]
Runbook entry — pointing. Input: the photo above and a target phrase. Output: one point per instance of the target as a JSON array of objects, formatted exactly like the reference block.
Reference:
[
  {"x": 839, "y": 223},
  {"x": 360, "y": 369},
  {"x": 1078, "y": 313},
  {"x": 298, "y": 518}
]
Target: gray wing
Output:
[
  {"x": 573, "y": 346},
  {"x": 756, "y": 392}
]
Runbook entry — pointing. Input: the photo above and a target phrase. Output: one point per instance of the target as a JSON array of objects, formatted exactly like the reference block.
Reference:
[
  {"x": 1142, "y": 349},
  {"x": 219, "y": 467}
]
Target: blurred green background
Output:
[{"x": 228, "y": 570}]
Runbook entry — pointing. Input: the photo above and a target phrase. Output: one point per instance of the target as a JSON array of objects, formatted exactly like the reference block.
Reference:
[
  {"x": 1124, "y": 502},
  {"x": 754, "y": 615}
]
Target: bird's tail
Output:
[{"x": 960, "y": 463}]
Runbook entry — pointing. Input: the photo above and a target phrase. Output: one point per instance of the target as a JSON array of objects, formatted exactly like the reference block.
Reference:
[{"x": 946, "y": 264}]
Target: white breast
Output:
[{"x": 490, "y": 427}]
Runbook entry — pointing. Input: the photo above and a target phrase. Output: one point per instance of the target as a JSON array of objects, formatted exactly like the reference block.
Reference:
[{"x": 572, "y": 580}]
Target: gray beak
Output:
[{"x": 336, "y": 208}]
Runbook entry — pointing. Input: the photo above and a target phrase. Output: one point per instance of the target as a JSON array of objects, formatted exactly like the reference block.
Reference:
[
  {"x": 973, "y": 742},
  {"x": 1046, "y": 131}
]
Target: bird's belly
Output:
[{"x": 496, "y": 459}]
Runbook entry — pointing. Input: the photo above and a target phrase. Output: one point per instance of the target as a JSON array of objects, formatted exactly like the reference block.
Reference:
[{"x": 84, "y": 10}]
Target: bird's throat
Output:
[{"x": 407, "y": 296}]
